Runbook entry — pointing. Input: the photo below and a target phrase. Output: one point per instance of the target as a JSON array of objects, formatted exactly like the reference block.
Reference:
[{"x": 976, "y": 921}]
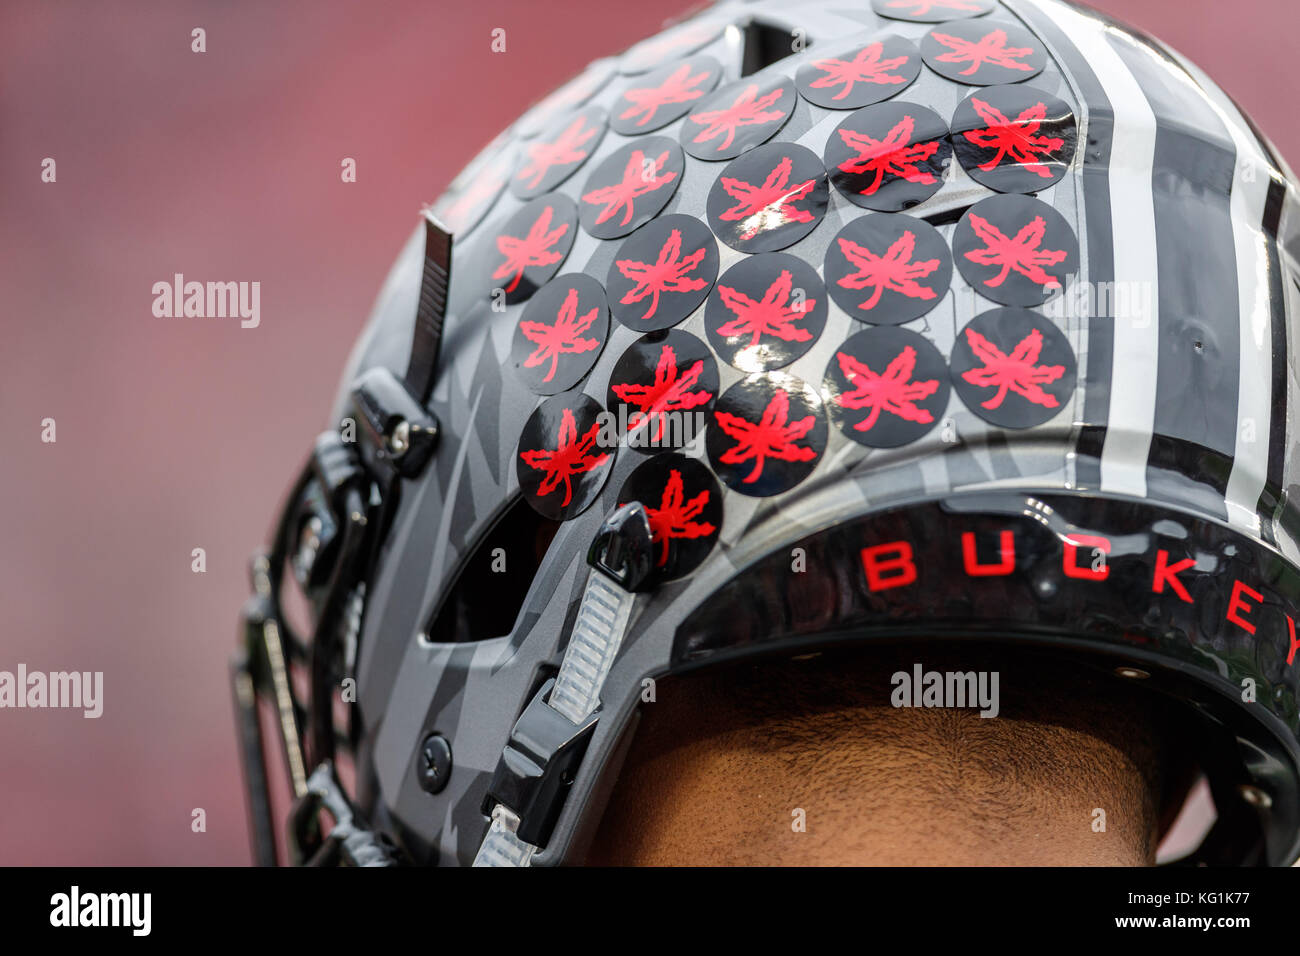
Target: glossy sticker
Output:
[
  {"x": 679, "y": 42},
  {"x": 560, "y": 334},
  {"x": 1016, "y": 250},
  {"x": 888, "y": 268},
  {"x": 565, "y": 455},
  {"x": 662, "y": 273},
  {"x": 890, "y": 156},
  {"x": 886, "y": 387},
  {"x": 860, "y": 75},
  {"x": 551, "y": 159},
  {"x": 983, "y": 52},
  {"x": 738, "y": 117},
  {"x": 684, "y": 504},
  {"x": 532, "y": 245},
  {"x": 1015, "y": 139},
  {"x": 769, "y": 198},
  {"x": 631, "y": 186},
  {"x": 931, "y": 11},
  {"x": 1013, "y": 367},
  {"x": 661, "y": 390},
  {"x": 766, "y": 311},
  {"x": 766, "y": 434},
  {"x": 665, "y": 95}
]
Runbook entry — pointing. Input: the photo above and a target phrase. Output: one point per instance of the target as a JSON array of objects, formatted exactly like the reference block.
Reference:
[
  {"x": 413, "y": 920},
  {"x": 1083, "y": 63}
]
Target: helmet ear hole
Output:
[
  {"x": 765, "y": 44},
  {"x": 502, "y": 565}
]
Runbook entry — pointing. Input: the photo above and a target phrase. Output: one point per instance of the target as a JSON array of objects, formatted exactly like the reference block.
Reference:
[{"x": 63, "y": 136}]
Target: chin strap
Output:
[{"x": 546, "y": 746}]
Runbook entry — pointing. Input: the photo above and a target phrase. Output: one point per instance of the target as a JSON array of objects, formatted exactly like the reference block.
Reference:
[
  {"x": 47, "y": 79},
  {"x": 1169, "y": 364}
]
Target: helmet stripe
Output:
[
  {"x": 1096, "y": 131},
  {"x": 1131, "y": 410}
]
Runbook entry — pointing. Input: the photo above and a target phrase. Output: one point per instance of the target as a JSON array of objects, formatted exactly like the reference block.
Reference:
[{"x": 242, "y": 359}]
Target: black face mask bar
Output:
[{"x": 336, "y": 517}]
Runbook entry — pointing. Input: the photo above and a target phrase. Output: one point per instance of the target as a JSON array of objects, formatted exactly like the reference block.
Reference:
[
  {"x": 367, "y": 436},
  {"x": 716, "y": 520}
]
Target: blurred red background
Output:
[{"x": 173, "y": 434}]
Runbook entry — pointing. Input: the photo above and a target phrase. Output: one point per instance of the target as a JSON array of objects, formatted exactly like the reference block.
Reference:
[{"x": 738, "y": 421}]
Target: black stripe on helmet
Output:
[{"x": 1270, "y": 499}]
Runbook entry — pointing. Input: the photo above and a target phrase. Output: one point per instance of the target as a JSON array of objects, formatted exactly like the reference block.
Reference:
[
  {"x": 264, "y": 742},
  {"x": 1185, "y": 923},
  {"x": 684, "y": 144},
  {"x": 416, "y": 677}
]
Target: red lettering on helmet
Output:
[
  {"x": 877, "y": 562},
  {"x": 1237, "y": 604},
  {"x": 1295, "y": 645},
  {"x": 1167, "y": 573},
  {"x": 1071, "y": 563},
  {"x": 1006, "y": 556}
]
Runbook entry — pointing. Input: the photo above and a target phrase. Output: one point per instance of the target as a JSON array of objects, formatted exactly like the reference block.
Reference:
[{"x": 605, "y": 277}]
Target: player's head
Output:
[{"x": 945, "y": 336}]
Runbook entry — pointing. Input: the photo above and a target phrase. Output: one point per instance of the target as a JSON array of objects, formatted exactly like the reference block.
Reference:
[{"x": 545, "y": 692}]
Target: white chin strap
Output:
[{"x": 597, "y": 635}]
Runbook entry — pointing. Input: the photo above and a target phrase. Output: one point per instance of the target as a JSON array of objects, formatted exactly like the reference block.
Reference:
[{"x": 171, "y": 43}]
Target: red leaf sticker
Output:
[
  {"x": 673, "y": 390},
  {"x": 1013, "y": 367},
  {"x": 773, "y": 436},
  {"x": 548, "y": 162},
  {"x": 684, "y": 504},
  {"x": 565, "y": 335},
  {"x": 887, "y": 387},
  {"x": 561, "y": 465},
  {"x": 630, "y": 187},
  {"x": 889, "y": 156},
  {"x": 841, "y": 78},
  {"x": 900, "y": 263},
  {"x": 665, "y": 96},
  {"x": 674, "y": 519},
  {"x": 1015, "y": 249},
  {"x": 982, "y": 52},
  {"x": 670, "y": 272}
]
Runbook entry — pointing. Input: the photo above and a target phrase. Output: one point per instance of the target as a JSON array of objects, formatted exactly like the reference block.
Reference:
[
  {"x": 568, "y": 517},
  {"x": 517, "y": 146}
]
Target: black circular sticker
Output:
[
  {"x": 551, "y": 159},
  {"x": 886, "y": 387},
  {"x": 560, "y": 335},
  {"x": 769, "y": 198},
  {"x": 1016, "y": 250},
  {"x": 738, "y": 117},
  {"x": 684, "y": 504},
  {"x": 462, "y": 210},
  {"x": 662, "y": 272},
  {"x": 888, "y": 268},
  {"x": 631, "y": 186},
  {"x": 766, "y": 434},
  {"x": 861, "y": 75},
  {"x": 1013, "y": 367},
  {"x": 565, "y": 455},
  {"x": 531, "y": 246},
  {"x": 661, "y": 390},
  {"x": 931, "y": 11},
  {"x": 890, "y": 156},
  {"x": 665, "y": 95},
  {"x": 983, "y": 52},
  {"x": 572, "y": 94},
  {"x": 685, "y": 39},
  {"x": 1015, "y": 139},
  {"x": 766, "y": 311}
]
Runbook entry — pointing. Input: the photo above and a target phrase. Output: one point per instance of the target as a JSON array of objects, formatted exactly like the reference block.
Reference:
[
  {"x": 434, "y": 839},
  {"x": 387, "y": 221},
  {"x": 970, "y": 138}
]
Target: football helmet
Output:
[{"x": 799, "y": 324}]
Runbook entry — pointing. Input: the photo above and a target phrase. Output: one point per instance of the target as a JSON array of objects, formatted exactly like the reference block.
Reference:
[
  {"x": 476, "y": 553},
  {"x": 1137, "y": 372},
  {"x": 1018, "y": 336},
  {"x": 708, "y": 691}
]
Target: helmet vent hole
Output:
[
  {"x": 766, "y": 44},
  {"x": 494, "y": 578}
]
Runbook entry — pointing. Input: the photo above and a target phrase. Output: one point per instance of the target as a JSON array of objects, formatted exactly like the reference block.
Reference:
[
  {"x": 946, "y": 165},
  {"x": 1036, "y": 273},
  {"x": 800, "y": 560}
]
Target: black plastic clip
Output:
[
  {"x": 623, "y": 548},
  {"x": 537, "y": 766},
  {"x": 396, "y": 427}
]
